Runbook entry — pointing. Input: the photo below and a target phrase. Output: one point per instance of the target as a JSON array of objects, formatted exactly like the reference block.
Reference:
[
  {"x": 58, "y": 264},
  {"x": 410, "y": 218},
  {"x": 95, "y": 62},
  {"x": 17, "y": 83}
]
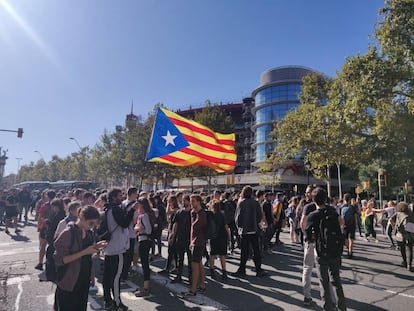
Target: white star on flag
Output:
[{"x": 169, "y": 139}]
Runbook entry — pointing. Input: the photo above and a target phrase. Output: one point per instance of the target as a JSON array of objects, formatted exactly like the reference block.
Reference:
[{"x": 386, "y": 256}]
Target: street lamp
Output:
[
  {"x": 38, "y": 152},
  {"x": 381, "y": 183},
  {"x": 18, "y": 164},
  {"x": 76, "y": 141},
  {"x": 83, "y": 166},
  {"x": 307, "y": 166}
]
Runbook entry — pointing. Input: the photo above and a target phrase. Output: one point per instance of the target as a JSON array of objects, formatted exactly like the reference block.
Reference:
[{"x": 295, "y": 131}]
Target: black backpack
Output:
[
  {"x": 52, "y": 272},
  {"x": 212, "y": 226},
  {"x": 329, "y": 237},
  {"x": 348, "y": 213},
  {"x": 103, "y": 233},
  {"x": 229, "y": 211}
]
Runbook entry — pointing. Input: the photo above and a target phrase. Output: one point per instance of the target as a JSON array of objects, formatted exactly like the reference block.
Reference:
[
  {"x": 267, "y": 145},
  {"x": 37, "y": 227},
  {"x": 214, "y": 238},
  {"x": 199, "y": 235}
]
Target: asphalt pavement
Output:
[{"x": 372, "y": 280}]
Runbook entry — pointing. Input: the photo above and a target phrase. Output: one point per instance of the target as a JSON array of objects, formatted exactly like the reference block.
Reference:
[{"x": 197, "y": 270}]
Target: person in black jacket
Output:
[{"x": 248, "y": 216}]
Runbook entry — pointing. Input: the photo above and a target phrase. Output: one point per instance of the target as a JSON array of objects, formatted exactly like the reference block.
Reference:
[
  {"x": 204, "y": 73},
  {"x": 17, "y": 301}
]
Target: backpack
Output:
[
  {"x": 52, "y": 272},
  {"x": 103, "y": 233},
  {"x": 154, "y": 227},
  {"x": 229, "y": 211},
  {"x": 277, "y": 210},
  {"x": 212, "y": 226},
  {"x": 162, "y": 217},
  {"x": 291, "y": 212},
  {"x": 329, "y": 238},
  {"x": 348, "y": 213}
]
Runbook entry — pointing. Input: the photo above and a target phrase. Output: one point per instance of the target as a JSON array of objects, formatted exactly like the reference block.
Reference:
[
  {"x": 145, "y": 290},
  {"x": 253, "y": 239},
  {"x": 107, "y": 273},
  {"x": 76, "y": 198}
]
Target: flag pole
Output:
[{"x": 152, "y": 134}]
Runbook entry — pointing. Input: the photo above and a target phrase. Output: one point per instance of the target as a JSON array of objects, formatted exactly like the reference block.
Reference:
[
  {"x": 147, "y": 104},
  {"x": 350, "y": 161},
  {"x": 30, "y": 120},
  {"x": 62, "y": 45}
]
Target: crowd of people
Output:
[{"x": 127, "y": 227}]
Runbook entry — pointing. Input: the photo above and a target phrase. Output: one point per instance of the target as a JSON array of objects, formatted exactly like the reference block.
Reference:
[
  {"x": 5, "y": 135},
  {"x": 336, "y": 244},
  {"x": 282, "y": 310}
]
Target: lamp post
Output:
[
  {"x": 83, "y": 166},
  {"x": 18, "y": 164},
  {"x": 307, "y": 166},
  {"x": 381, "y": 183},
  {"x": 338, "y": 164},
  {"x": 41, "y": 156},
  {"x": 77, "y": 143}
]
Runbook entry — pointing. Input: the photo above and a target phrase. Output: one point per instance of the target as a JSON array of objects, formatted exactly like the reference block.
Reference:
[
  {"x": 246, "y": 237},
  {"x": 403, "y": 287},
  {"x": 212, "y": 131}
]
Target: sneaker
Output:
[
  {"x": 42, "y": 276},
  {"x": 212, "y": 274},
  {"x": 17, "y": 231},
  {"x": 110, "y": 305},
  {"x": 7, "y": 231},
  {"x": 39, "y": 267},
  {"x": 224, "y": 275},
  {"x": 307, "y": 301},
  {"x": 261, "y": 273},
  {"x": 239, "y": 274},
  {"x": 164, "y": 271},
  {"x": 142, "y": 293},
  {"x": 122, "y": 307},
  {"x": 201, "y": 290},
  {"x": 188, "y": 294}
]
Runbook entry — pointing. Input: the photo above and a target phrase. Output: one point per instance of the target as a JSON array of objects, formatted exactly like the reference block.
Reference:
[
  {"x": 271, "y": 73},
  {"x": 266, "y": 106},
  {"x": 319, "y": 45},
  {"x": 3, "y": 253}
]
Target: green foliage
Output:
[{"x": 362, "y": 117}]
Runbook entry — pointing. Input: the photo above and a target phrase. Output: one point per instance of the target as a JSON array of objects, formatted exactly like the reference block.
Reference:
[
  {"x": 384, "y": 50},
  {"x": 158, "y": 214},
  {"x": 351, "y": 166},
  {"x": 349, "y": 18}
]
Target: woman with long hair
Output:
[
  {"x": 172, "y": 208},
  {"x": 291, "y": 216},
  {"x": 143, "y": 227},
  {"x": 73, "y": 250},
  {"x": 369, "y": 221},
  {"x": 219, "y": 244},
  {"x": 299, "y": 212},
  {"x": 56, "y": 215}
]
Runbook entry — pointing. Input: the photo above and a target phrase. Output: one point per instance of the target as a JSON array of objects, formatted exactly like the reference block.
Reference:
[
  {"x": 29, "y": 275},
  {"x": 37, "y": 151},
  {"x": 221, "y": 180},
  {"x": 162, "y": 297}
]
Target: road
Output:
[{"x": 373, "y": 280}]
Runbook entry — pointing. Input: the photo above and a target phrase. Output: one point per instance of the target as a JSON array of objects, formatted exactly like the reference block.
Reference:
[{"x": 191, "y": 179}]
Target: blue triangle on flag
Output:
[{"x": 166, "y": 138}]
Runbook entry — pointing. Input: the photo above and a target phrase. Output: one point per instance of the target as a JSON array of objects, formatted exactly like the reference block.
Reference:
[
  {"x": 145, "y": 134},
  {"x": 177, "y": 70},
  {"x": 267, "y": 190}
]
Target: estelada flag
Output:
[{"x": 182, "y": 142}]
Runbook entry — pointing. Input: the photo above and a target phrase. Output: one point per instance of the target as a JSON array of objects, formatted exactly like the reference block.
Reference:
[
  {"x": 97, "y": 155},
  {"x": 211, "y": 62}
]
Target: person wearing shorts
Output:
[
  {"x": 11, "y": 210},
  {"x": 197, "y": 246},
  {"x": 218, "y": 246},
  {"x": 350, "y": 216}
]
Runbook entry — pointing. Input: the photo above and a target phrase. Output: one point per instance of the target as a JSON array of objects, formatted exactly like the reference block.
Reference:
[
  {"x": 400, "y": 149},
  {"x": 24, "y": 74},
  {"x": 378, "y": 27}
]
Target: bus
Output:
[
  {"x": 33, "y": 185},
  {"x": 72, "y": 184}
]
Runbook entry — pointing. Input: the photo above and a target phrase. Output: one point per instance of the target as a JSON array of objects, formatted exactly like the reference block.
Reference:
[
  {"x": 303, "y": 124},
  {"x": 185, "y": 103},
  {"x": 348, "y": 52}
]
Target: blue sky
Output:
[{"x": 71, "y": 68}]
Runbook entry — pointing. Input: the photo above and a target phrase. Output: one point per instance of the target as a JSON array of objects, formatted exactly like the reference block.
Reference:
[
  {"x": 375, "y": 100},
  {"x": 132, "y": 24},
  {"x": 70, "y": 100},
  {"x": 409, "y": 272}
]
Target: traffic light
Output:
[
  {"x": 20, "y": 132},
  {"x": 366, "y": 185}
]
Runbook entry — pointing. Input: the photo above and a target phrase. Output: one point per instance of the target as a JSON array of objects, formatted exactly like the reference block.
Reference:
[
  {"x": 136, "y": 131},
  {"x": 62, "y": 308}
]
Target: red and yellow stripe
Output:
[{"x": 207, "y": 148}]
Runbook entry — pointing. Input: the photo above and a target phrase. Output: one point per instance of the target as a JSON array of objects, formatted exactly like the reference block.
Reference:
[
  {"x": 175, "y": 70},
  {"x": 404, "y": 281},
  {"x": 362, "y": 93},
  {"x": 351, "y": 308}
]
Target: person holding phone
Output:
[{"x": 73, "y": 250}]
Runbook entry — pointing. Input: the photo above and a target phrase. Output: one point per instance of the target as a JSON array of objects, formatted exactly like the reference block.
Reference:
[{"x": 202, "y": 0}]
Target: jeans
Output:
[
  {"x": 183, "y": 248},
  {"x": 309, "y": 256},
  {"x": 329, "y": 277},
  {"x": 248, "y": 240},
  {"x": 128, "y": 256},
  {"x": 389, "y": 231},
  {"x": 113, "y": 265},
  {"x": 308, "y": 264},
  {"x": 144, "y": 249},
  {"x": 234, "y": 235}
]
